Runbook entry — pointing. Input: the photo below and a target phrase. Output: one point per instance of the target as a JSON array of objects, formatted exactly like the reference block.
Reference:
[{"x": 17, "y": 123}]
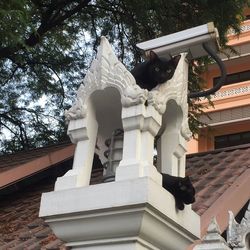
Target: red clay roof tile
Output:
[
  {"x": 212, "y": 174},
  {"x": 9, "y": 161}
]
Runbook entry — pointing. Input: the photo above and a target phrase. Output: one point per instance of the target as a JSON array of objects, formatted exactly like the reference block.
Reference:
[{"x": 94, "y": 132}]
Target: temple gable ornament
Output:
[
  {"x": 106, "y": 71},
  {"x": 238, "y": 234}
]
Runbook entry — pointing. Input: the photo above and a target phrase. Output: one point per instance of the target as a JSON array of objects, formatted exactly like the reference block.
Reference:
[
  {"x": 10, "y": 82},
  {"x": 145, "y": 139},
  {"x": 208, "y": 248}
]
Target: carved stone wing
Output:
[{"x": 174, "y": 89}]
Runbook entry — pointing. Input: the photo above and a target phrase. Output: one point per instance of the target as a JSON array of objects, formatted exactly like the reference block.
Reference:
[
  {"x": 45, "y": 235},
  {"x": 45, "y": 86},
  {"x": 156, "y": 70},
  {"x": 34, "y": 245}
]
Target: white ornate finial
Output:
[
  {"x": 213, "y": 239},
  {"x": 213, "y": 227},
  {"x": 238, "y": 235}
]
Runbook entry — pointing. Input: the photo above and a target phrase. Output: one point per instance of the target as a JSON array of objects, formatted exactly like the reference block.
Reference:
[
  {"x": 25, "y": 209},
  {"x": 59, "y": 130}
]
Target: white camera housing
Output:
[{"x": 189, "y": 40}]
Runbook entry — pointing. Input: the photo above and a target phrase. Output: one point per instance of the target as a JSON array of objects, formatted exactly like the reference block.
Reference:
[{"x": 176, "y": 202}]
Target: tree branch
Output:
[
  {"x": 48, "y": 22},
  {"x": 10, "y": 77}
]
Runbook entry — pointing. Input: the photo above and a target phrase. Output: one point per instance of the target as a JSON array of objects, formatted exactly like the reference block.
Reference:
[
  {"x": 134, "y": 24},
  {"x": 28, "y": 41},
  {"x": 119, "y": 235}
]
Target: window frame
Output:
[
  {"x": 244, "y": 138},
  {"x": 238, "y": 75}
]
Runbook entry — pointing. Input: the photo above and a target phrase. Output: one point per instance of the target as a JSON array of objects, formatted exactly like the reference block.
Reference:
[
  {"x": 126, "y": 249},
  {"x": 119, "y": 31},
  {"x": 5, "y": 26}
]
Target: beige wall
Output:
[{"x": 205, "y": 140}]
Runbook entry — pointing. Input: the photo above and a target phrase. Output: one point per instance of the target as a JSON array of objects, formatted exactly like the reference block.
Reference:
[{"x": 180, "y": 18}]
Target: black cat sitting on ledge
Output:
[
  {"x": 154, "y": 71},
  {"x": 181, "y": 188}
]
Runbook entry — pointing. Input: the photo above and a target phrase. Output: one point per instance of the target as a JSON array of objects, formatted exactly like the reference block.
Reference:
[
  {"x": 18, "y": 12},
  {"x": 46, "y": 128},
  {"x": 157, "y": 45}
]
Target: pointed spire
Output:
[
  {"x": 213, "y": 239},
  {"x": 106, "y": 71}
]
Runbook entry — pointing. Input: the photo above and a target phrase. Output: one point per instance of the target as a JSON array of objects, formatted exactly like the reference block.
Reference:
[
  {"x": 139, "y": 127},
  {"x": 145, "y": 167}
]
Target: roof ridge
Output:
[
  {"x": 216, "y": 151},
  {"x": 38, "y": 148}
]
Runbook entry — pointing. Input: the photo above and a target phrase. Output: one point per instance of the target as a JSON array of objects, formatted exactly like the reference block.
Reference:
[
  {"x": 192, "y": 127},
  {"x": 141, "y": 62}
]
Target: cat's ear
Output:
[
  {"x": 176, "y": 59},
  {"x": 152, "y": 56}
]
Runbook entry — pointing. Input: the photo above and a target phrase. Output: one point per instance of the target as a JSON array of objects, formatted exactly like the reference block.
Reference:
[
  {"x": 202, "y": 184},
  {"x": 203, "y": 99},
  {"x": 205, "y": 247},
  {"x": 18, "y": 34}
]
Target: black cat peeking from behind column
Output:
[{"x": 181, "y": 188}]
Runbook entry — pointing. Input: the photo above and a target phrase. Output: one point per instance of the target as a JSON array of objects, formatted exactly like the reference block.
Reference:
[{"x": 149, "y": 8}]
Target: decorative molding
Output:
[
  {"x": 231, "y": 92},
  {"x": 243, "y": 28},
  {"x": 238, "y": 235},
  {"x": 116, "y": 215},
  {"x": 133, "y": 95},
  {"x": 77, "y": 111},
  {"x": 106, "y": 71},
  {"x": 185, "y": 130}
]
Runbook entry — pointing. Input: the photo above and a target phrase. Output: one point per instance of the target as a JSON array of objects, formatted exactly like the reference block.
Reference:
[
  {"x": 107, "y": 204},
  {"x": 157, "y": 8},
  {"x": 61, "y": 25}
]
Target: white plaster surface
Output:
[{"x": 137, "y": 208}]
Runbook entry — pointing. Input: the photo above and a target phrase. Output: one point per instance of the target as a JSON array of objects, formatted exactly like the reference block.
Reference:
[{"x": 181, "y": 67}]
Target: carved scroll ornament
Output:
[{"x": 174, "y": 89}]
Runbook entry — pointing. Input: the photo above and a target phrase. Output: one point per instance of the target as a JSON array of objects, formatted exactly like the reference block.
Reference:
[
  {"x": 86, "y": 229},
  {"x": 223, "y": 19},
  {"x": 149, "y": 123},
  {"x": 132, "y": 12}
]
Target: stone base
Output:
[{"x": 124, "y": 215}]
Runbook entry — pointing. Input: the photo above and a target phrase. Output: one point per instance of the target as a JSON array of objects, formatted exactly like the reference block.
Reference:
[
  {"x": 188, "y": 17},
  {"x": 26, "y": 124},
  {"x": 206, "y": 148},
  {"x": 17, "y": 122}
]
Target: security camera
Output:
[
  {"x": 189, "y": 40},
  {"x": 197, "y": 42}
]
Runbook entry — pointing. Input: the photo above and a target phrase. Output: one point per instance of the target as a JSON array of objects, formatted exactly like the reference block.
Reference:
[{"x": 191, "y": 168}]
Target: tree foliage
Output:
[{"x": 47, "y": 45}]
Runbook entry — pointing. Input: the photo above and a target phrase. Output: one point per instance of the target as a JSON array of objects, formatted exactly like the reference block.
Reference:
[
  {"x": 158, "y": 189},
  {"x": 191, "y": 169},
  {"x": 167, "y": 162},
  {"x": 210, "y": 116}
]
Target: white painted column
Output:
[
  {"x": 172, "y": 148},
  {"x": 82, "y": 132},
  {"x": 174, "y": 134},
  {"x": 151, "y": 127},
  {"x": 140, "y": 123}
]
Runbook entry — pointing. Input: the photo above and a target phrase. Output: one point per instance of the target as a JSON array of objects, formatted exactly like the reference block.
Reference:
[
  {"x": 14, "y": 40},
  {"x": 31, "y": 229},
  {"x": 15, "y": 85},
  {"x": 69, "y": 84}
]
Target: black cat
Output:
[
  {"x": 181, "y": 188},
  {"x": 154, "y": 71}
]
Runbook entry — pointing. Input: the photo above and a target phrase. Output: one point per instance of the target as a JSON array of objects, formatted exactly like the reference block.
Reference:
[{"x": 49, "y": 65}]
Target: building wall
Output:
[{"x": 231, "y": 111}]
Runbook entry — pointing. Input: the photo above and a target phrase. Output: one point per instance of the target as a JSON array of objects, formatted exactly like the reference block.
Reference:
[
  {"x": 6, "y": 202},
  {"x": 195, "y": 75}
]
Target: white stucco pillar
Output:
[
  {"x": 171, "y": 101},
  {"x": 141, "y": 124},
  {"x": 82, "y": 132}
]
